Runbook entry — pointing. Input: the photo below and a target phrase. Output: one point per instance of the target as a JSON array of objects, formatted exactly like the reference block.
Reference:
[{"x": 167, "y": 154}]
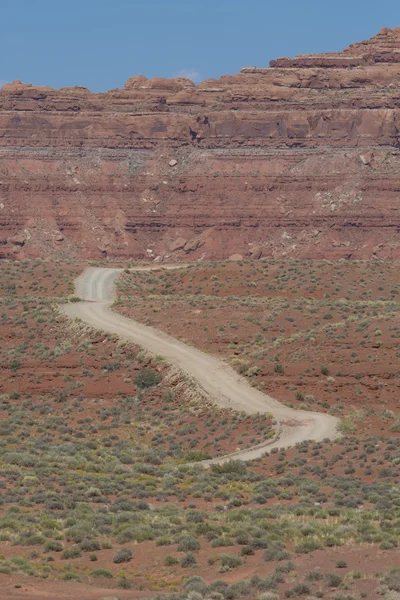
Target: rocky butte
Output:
[{"x": 300, "y": 159}]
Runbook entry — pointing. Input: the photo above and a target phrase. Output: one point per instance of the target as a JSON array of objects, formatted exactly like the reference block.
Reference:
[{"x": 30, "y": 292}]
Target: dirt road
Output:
[{"x": 224, "y": 386}]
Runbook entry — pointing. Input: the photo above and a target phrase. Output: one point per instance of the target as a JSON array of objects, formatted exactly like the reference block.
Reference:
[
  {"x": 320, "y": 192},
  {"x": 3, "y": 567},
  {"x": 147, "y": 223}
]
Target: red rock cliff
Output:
[{"x": 299, "y": 159}]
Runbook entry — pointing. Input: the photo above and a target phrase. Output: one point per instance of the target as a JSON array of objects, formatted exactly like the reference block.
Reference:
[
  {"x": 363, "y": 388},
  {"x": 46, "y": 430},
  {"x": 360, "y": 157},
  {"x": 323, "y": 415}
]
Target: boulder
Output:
[
  {"x": 366, "y": 158},
  {"x": 256, "y": 253},
  {"x": 193, "y": 245},
  {"x": 178, "y": 244}
]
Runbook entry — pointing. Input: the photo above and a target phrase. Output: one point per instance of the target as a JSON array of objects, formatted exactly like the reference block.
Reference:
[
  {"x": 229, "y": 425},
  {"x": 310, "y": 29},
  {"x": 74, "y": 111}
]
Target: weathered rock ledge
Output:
[{"x": 299, "y": 159}]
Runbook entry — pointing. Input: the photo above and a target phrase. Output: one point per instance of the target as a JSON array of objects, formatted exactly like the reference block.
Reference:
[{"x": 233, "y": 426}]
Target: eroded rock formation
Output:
[{"x": 300, "y": 159}]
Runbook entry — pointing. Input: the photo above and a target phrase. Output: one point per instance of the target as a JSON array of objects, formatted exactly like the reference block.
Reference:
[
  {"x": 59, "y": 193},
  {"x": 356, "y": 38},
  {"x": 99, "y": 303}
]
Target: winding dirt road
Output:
[{"x": 224, "y": 386}]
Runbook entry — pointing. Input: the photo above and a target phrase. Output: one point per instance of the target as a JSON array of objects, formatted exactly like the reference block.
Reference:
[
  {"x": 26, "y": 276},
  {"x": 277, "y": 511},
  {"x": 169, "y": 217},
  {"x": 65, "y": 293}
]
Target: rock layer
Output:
[{"x": 300, "y": 159}]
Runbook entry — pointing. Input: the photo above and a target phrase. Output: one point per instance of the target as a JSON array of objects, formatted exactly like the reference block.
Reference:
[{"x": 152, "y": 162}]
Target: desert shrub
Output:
[
  {"x": 314, "y": 576},
  {"x": 333, "y": 580},
  {"x": 124, "y": 583},
  {"x": 346, "y": 426},
  {"x": 231, "y": 466},
  {"x": 14, "y": 365},
  {"x": 307, "y": 545},
  {"x": 78, "y": 533},
  {"x": 197, "y": 456},
  {"x": 195, "y": 583},
  {"x": 89, "y": 545},
  {"x": 230, "y": 561},
  {"x": 222, "y": 542},
  {"x": 139, "y": 534},
  {"x": 324, "y": 370},
  {"x": 300, "y": 589},
  {"x": 219, "y": 587},
  {"x": 122, "y": 504},
  {"x": 71, "y": 577},
  {"x": 188, "y": 560},
  {"x": 341, "y": 564},
  {"x": 123, "y": 555},
  {"x": 53, "y": 546},
  {"x": 102, "y": 573},
  {"x": 21, "y": 459},
  {"x": 392, "y": 579},
  {"x": 147, "y": 378},
  {"x": 164, "y": 540},
  {"x": 170, "y": 560},
  {"x": 268, "y": 596},
  {"x": 188, "y": 543},
  {"x": 275, "y": 551},
  {"x": 247, "y": 551},
  {"x": 258, "y": 543},
  {"x": 73, "y": 552},
  {"x": 278, "y": 368},
  {"x": 238, "y": 590},
  {"x": 195, "y": 516}
]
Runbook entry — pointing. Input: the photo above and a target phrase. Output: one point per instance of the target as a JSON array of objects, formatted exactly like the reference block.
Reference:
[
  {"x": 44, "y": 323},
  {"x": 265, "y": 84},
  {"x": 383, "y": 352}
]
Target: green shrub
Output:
[
  {"x": 124, "y": 583},
  {"x": 53, "y": 546},
  {"x": 306, "y": 546},
  {"x": 188, "y": 560},
  {"x": 392, "y": 579},
  {"x": 188, "y": 543},
  {"x": 333, "y": 580},
  {"x": 346, "y": 426},
  {"x": 89, "y": 545},
  {"x": 14, "y": 365},
  {"x": 231, "y": 466},
  {"x": 275, "y": 551},
  {"x": 300, "y": 589},
  {"x": 195, "y": 583},
  {"x": 314, "y": 576},
  {"x": 73, "y": 552},
  {"x": 147, "y": 378},
  {"x": 230, "y": 561},
  {"x": 71, "y": 577},
  {"x": 123, "y": 555},
  {"x": 170, "y": 561},
  {"x": 238, "y": 590},
  {"x": 102, "y": 573}
]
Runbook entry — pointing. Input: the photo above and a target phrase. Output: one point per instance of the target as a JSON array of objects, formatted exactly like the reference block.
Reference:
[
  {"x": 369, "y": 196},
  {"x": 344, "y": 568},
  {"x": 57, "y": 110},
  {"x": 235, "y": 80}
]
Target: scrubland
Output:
[{"x": 100, "y": 493}]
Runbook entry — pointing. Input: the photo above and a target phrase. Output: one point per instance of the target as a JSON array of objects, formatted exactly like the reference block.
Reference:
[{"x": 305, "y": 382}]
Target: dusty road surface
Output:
[{"x": 224, "y": 386}]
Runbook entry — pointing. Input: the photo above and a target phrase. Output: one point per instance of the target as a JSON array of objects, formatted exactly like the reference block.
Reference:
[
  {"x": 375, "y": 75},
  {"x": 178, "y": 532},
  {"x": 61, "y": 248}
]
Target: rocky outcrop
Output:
[{"x": 300, "y": 159}]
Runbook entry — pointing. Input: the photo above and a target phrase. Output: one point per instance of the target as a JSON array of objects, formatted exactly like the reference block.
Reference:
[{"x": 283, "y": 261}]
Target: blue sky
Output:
[{"x": 101, "y": 43}]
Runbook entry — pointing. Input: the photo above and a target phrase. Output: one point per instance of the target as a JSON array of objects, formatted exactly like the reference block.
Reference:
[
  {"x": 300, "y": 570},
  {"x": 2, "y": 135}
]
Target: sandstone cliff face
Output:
[{"x": 300, "y": 159}]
